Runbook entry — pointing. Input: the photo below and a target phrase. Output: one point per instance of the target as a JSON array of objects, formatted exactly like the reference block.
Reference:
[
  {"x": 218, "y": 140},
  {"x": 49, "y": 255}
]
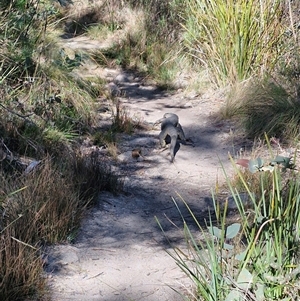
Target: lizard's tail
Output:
[{"x": 172, "y": 147}]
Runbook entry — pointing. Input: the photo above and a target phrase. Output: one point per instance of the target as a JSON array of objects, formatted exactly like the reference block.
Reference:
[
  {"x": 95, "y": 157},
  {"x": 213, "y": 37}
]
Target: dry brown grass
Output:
[
  {"x": 264, "y": 106},
  {"x": 21, "y": 269},
  {"x": 140, "y": 36},
  {"x": 36, "y": 208},
  {"x": 43, "y": 207}
]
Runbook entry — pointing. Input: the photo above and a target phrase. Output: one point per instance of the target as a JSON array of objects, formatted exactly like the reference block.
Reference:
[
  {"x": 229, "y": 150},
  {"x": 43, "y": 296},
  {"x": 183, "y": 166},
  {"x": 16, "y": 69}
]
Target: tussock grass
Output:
[
  {"x": 161, "y": 15},
  {"x": 46, "y": 203},
  {"x": 234, "y": 39},
  {"x": 122, "y": 122},
  {"x": 92, "y": 175},
  {"x": 53, "y": 110},
  {"x": 44, "y": 206},
  {"x": 265, "y": 107},
  {"x": 21, "y": 269},
  {"x": 44, "y": 209}
]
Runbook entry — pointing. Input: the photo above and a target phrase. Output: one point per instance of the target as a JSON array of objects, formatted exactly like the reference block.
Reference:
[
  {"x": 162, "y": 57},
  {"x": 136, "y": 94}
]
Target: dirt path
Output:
[{"x": 119, "y": 253}]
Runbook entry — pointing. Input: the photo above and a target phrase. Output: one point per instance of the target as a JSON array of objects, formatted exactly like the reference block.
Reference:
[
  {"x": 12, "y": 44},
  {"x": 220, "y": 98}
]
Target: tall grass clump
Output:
[
  {"x": 50, "y": 120},
  {"x": 161, "y": 51},
  {"x": 42, "y": 207},
  {"x": 256, "y": 257},
  {"x": 265, "y": 106},
  {"x": 234, "y": 39}
]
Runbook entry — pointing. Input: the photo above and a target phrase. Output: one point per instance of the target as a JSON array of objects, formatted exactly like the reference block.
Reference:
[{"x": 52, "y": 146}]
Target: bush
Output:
[
  {"x": 43, "y": 110},
  {"x": 255, "y": 258}
]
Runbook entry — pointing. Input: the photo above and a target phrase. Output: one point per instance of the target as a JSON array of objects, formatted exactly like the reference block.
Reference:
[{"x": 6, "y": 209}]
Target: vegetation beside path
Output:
[{"x": 250, "y": 48}]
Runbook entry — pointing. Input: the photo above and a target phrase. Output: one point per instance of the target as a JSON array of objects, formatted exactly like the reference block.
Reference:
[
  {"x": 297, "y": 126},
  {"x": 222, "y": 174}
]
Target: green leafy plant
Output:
[
  {"x": 200, "y": 262},
  {"x": 255, "y": 258},
  {"x": 272, "y": 234},
  {"x": 258, "y": 164}
]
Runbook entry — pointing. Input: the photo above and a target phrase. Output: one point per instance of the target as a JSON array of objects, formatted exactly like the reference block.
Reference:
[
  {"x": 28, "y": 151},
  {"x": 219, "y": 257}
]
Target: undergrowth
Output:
[
  {"x": 255, "y": 255},
  {"x": 41, "y": 207},
  {"x": 46, "y": 182},
  {"x": 46, "y": 109},
  {"x": 265, "y": 106},
  {"x": 235, "y": 39},
  {"x": 142, "y": 36}
]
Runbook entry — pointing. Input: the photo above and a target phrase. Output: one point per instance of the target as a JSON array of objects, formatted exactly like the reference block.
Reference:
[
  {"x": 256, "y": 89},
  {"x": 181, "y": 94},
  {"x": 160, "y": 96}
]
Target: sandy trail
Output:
[{"x": 120, "y": 252}]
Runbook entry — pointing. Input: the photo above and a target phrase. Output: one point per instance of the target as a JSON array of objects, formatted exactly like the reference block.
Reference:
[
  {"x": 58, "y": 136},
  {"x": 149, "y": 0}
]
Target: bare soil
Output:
[{"x": 120, "y": 251}]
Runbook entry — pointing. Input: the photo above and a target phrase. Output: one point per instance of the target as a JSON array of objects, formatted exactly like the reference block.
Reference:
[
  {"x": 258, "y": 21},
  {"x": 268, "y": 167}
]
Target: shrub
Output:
[{"x": 257, "y": 257}]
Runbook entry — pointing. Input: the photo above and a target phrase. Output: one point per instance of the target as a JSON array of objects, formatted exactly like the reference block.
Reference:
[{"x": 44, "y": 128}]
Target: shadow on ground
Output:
[{"x": 119, "y": 252}]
